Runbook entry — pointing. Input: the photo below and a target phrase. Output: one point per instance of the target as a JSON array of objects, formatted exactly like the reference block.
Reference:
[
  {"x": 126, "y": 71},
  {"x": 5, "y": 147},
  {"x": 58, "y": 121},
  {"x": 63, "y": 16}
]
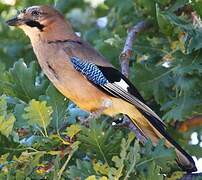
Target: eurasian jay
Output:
[{"x": 84, "y": 76}]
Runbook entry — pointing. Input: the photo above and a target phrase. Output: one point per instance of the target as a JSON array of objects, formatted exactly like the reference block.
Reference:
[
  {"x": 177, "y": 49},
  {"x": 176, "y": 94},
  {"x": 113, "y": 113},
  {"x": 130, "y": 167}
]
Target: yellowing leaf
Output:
[
  {"x": 91, "y": 178},
  {"x": 6, "y": 121},
  {"x": 3, "y": 158},
  {"x": 176, "y": 175},
  {"x": 44, "y": 168},
  {"x": 103, "y": 178},
  {"x": 101, "y": 168},
  {"x": 6, "y": 124},
  {"x": 38, "y": 113},
  {"x": 3, "y": 105},
  {"x": 73, "y": 130},
  {"x": 54, "y": 152}
]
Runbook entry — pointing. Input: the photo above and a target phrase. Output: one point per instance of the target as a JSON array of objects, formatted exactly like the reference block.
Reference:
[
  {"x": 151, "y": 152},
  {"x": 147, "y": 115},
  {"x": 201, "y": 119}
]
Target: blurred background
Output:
[{"x": 166, "y": 67}]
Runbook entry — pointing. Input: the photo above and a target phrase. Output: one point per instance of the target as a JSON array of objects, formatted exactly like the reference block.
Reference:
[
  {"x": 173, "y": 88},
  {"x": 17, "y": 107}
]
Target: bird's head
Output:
[{"x": 41, "y": 20}]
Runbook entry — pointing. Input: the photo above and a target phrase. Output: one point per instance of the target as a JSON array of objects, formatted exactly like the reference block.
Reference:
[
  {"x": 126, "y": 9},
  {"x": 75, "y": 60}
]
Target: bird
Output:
[{"x": 87, "y": 78}]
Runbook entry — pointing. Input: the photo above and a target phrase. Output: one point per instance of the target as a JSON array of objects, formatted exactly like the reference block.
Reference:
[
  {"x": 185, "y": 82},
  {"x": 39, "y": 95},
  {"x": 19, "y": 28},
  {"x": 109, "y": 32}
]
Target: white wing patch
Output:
[{"x": 122, "y": 84}]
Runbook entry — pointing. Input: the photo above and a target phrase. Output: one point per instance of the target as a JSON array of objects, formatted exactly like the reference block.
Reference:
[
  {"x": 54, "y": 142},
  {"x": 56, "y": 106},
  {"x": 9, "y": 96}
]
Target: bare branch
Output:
[{"x": 127, "y": 50}]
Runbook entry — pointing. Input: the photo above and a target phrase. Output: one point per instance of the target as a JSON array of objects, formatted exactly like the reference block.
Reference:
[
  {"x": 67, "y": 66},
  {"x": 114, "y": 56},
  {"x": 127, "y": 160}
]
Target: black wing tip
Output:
[{"x": 189, "y": 169}]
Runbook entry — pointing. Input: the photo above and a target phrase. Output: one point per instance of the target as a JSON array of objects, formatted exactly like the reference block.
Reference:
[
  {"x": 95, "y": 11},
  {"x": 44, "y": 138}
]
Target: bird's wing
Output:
[{"x": 114, "y": 82}]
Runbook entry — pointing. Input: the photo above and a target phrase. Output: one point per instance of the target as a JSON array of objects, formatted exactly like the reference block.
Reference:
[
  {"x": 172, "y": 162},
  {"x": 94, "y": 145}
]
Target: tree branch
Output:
[
  {"x": 193, "y": 122},
  {"x": 127, "y": 50}
]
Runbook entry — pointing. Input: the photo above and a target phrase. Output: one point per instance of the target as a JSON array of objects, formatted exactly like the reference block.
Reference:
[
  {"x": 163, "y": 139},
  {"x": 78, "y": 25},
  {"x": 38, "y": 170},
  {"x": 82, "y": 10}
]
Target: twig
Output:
[
  {"x": 74, "y": 149},
  {"x": 124, "y": 59},
  {"x": 127, "y": 50}
]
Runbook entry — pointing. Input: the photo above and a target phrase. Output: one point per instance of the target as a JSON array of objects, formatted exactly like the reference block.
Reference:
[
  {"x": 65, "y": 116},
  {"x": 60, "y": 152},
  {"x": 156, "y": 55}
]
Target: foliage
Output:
[
  {"x": 37, "y": 113},
  {"x": 37, "y": 137},
  {"x": 6, "y": 120}
]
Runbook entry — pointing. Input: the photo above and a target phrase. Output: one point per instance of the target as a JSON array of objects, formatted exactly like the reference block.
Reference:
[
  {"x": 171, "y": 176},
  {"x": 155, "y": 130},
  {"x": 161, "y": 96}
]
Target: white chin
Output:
[{"x": 29, "y": 31}]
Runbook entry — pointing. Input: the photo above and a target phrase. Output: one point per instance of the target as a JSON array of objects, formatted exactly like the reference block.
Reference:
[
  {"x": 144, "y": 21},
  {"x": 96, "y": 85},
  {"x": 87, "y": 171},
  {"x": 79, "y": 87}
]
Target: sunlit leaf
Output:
[
  {"x": 73, "y": 130},
  {"x": 38, "y": 113}
]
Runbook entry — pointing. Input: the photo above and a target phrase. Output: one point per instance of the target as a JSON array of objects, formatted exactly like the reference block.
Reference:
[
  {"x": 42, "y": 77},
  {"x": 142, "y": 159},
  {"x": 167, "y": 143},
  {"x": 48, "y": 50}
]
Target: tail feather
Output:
[{"x": 153, "y": 131}]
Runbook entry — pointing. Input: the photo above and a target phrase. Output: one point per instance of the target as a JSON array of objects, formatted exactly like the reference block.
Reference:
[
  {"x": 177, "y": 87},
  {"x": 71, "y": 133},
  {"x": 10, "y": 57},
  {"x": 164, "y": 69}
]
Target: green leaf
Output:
[
  {"x": 193, "y": 34},
  {"x": 197, "y": 5},
  {"x": 59, "y": 105},
  {"x": 38, "y": 113},
  {"x": 148, "y": 7},
  {"x": 24, "y": 82},
  {"x": 162, "y": 156},
  {"x": 132, "y": 158},
  {"x": 193, "y": 41},
  {"x": 28, "y": 161},
  {"x": 163, "y": 2},
  {"x": 119, "y": 161},
  {"x": 152, "y": 172},
  {"x": 156, "y": 84},
  {"x": 21, "y": 122},
  {"x": 177, "y": 5},
  {"x": 6, "y": 120},
  {"x": 165, "y": 26},
  {"x": 100, "y": 140},
  {"x": 82, "y": 169},
  {"x": 3, "y": 105},
  {"x": 9, "y": 146}
]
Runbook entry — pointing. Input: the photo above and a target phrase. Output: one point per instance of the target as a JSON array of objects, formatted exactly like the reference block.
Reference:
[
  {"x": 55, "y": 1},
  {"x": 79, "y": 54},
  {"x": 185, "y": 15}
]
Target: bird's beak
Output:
[{"x": 16, "y": 21}]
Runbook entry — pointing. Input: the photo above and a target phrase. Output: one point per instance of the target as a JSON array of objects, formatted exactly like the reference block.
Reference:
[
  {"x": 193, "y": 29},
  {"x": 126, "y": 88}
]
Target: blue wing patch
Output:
[{"x": 89, "y": 70}]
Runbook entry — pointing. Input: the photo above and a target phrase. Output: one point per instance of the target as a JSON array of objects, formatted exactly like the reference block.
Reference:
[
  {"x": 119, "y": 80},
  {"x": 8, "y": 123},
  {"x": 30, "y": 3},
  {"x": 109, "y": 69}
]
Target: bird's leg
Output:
[{"x": 96, "y": 113}]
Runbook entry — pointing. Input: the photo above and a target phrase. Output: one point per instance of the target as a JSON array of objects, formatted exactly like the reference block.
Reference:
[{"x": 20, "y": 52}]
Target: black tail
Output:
[{"x": 184, "y": 160}]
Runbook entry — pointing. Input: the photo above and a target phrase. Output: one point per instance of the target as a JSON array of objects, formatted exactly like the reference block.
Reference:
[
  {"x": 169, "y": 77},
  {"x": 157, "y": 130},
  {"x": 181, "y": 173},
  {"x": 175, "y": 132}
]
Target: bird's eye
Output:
[{"x": 35, "y": 13}]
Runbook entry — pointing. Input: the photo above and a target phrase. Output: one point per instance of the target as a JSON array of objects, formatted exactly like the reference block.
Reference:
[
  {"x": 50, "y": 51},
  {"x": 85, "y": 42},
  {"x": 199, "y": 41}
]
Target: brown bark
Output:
[
  {"x": 127, "y": 49},
  {"x": 193, "y": 122}
]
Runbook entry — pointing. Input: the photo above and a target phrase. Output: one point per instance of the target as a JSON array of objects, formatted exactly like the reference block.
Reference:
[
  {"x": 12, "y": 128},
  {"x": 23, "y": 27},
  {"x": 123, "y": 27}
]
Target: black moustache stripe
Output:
[{"x": 36, "y": 24}]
